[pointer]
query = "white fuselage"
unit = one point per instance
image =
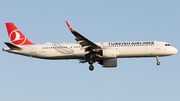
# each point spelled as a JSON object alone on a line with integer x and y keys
{"x": 75, "y": 51}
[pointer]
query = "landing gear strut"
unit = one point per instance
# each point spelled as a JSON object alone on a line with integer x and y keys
{"x": 157, "y": 59}
{"x": 91, "y": 67}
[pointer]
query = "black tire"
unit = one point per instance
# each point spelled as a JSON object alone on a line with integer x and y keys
{"x": 91, "y": 67}
{"x": 158, "y": 63}
{"x": 91, "y": 61}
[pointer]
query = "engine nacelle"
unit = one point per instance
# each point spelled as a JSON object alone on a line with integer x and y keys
{"x": 109, "y": 53}
{"x": 109, "y": 63}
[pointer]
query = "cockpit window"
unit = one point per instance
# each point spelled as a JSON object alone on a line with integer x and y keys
{"x": 167, "y": 44}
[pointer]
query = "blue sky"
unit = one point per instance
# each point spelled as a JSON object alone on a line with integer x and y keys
{"x": 30, "y": 79}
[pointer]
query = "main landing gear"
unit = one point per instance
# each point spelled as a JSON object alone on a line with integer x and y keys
{"x": 157, "y": 59}
{"x": 91, "y": 67}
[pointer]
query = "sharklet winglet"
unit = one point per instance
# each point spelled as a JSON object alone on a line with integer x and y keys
{"x": 69, "y": 26}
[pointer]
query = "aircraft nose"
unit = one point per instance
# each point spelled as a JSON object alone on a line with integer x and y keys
{"x": 174, "y": 50}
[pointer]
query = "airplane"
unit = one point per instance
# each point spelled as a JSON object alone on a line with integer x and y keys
{"x": 84, "y": 50}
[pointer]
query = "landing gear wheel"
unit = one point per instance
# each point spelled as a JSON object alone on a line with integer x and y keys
{"x": 157, "y": 59}
{"x": 91, "y": 61}
{"x": 158, "y": 63}
{"x": 91, "y": 67}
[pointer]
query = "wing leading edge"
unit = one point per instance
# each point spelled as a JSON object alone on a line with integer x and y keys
{"x": 86, "y": 44}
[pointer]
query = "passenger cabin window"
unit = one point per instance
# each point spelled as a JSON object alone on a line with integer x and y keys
{"x": 77, "y": 46}
{"x": 167, "y": 44}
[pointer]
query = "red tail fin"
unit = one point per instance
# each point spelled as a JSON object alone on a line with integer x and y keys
{"x": 15, "y": 35}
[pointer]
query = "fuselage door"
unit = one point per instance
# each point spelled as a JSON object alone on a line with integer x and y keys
{"x": 158, "y": 46}
{"x": 33, "y": 50}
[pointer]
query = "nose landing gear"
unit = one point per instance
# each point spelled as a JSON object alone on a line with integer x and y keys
{"x": 157, "y": 59}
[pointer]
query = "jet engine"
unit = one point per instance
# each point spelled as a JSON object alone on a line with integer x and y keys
{"x": 109, "y": 63}
{"x": 108, "y": 53}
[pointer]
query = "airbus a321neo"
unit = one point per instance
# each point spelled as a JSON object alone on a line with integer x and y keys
{"x": 105, "y": 53}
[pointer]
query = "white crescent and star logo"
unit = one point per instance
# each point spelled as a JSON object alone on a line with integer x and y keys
{"x": 16, "y": 37}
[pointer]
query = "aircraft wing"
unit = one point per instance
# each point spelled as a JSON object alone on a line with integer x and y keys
{"x": 86, "y": 44}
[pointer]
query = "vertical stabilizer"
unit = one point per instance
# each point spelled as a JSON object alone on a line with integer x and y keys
{"x": 15, "y": 35}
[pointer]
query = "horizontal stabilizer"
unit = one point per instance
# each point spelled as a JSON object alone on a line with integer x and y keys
{"x": 11, "y": 46}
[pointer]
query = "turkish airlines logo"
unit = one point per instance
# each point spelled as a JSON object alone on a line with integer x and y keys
{"x": 16, "y": 37}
